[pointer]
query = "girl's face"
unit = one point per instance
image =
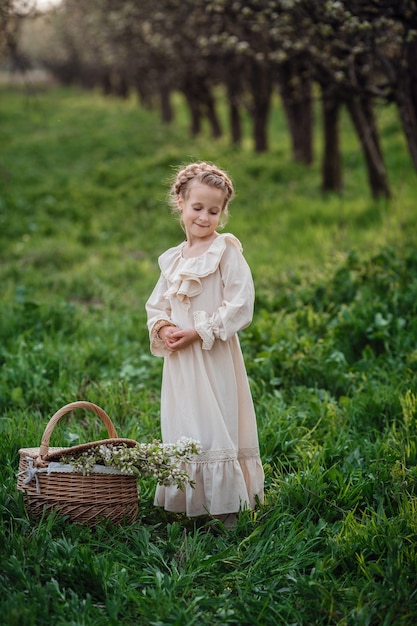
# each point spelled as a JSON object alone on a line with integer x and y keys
{"x": 201, "y": 210}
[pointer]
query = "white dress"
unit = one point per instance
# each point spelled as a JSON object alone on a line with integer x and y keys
{"x": 205, "y": 392}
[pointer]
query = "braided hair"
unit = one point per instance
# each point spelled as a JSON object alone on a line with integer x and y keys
{"x": 206, "y": 174}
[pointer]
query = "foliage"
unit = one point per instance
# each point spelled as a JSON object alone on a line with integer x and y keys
{"x": 331, "y": 354}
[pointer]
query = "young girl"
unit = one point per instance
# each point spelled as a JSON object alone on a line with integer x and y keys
{"x": 204, "y": 296}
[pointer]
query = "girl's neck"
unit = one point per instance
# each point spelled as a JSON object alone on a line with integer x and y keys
{"x": 196, "y": 247}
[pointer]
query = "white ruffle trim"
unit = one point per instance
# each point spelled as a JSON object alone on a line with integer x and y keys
{"x": 184, "y": 288}
{"x": 220, "y": 486}
{"x": 184, "y": 275}
{"x": 206, "y": 328}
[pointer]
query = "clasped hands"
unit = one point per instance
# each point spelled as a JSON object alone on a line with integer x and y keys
{"x": 176, "y": 338}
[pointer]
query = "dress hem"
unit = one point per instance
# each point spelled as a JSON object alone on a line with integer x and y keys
{"x": 220, "y": 487}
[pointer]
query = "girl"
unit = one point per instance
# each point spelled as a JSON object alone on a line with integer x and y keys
{"x": 204, "y": 296}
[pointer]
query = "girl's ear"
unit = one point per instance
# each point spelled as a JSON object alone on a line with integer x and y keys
{"x": 179, "y": 202}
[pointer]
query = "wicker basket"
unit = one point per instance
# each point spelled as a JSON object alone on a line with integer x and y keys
{"x": 86, "y": 499}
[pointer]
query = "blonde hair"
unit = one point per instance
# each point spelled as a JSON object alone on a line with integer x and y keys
{"x": 204, "y": 173}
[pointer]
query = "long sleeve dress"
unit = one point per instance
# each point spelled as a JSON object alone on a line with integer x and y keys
{"x": 205, "y": 392}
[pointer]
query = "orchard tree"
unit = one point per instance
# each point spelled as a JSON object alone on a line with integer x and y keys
{"x": 244, "y": 40}
{"x": 395, "y": 49}
{"x": 340, "y": 44}
{"x": 12, "y": 15}
{"x": 6, "y": 18}
{"x": 191, "y": 64}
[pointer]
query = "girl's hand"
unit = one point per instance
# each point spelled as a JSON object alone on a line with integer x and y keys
{"x": 178, "y": 338}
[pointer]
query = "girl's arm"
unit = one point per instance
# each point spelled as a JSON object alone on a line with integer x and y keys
{"x": 236, "y": 311}
{"x": 159, "y": 316}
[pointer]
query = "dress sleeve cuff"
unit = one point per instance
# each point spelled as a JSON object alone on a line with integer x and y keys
{"x": 157, "y": 344}
{"x": 205, "y": 327}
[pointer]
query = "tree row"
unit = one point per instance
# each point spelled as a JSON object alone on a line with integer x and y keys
{"x": 355, "y": 54}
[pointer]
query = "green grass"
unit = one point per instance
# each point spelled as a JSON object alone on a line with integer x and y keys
{"x": 331, "y": 356}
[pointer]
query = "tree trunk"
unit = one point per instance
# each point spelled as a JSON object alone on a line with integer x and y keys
{"x": 361, "y": 112}
{"x": 412, "y": 68}
{"x": 144, "y": 93}
{"x": 201, "y": 101}
{"x": 106, "y": 84}
{"x": 122, "y": 87}
{"x": 167, "y": 112}
{"x": 204, "y": 96}
{"x": 233, "y": 85}
{"x": 210, "y": 106}
{"x": 235, "y": 123}
{"x": 403, "y": 82}
{"x": 405, "y": 95}
{"x": 261, "y": 88}
{"x": 295, "y": 90}
{"x": 195, "y": 112}
{"x": 331, "y": 161}
{"x": 408, "y": 115}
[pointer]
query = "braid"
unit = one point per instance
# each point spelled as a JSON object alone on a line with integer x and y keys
{"x": 205, "y": 173}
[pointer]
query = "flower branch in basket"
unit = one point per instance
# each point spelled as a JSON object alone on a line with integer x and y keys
{"x": 161, "y": 461}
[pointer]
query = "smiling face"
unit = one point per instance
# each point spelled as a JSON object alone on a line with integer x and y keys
{"x": 201, "y": 210}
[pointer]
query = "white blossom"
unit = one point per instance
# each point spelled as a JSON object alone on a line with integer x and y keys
{"x": 165, "y": 462}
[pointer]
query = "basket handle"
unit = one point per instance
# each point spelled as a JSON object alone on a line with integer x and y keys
{"x": 44, "y": 447}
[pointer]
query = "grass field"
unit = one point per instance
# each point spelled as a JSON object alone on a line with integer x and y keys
{"x": 331, "y": 355}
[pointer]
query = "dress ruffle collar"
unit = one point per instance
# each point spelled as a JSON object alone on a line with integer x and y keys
{"x": 184, "y": 275}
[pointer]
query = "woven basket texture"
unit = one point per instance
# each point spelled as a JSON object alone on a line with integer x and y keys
{"x": 85, "y": 499}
